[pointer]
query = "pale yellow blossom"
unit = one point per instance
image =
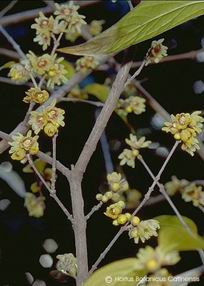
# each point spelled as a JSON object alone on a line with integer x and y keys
{"x": 23, "y": 145}
{"x": 35, "y": 205}
{"x": 156, "y": 52}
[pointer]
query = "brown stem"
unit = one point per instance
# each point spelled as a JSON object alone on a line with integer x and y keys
{"x": 79, "y": 226}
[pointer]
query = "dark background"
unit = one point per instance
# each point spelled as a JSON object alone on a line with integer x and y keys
{"x": 21, "y": 236}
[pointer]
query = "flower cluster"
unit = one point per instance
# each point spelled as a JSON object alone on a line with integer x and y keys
{"x": 44, "y": 29}
{"x": 138, "y": 230}
{"x": 86, "y": 63}
{"x": 175, "y": 185}
{"x": 185, "y": 127}
{"x": 131, "y": 104}
{"x": 68, "y": 13}
{"x": 152, "y": 260}
{"x": 36, "y": 95}
{"x": 66, "y": 20}
{"x": 19, "y": 73}
{"x": 48, "y": 66}
{"x": 116, "y": 185}
{"x": 96, "y": 27}
{"x": 128, "y": 156}
{"x": 190, "y": 192}
{"x": 143, "y": 230}
{"x": 193, "y": 193}
{"x": 156, "y": 52}
{"x": 23, "y": 145}
{"x": 114, "y": 210}
{"x": 67, "y": 264}
{"x": 35, "y": 205}
{"x": 49, "y": 120}
{"x": 118, "y": 190}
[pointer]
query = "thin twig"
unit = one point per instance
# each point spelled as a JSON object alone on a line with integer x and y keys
{"x": 7, "y": 8}
{"x": 103, "y": 118}
{"x": 9, "y": 81}
{"x": 9, "y": 53}
{"x": 169, "y": 200}
{"x": 13, "y": 43}
{"x": 53, "y": 179}
{"x": 70, "y": 99}
{"x": 93, "y": 210}
{"x": 138, "y": 71}
{"x": 18, "y": 50}
{"x": 30, "y": 14}
{"x": 145, "y": 199}
{"x": 105, "y": 148}
{"x": 52, "y": 194}
{"x": 44, "y": 157}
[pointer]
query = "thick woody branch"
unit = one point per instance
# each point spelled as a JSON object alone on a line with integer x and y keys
{"x": 103, "y": 118}
{"x": 51, "y": 191}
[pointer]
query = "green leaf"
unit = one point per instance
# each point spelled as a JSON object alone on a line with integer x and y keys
{"x": 69, "y": 68}
{"x": 101, "y": 92}
{"x": 113, "y": 274}
{"x": 147, "y": 20}
{"x": 174, "y": 236}
{"x": 98, "y": 90}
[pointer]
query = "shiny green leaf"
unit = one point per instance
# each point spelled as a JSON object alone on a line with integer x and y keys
{"x": 118, "y": 273}
{"x": 69, "y": 68}
{"x": 100, "y": 91}
{"x": 147, "y": 20}
{"x": 174, "y": 236}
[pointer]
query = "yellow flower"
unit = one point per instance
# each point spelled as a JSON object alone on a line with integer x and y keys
{"x": 37, "y": 121}
{"x": 157, "y": 52}
{"x": 67, "y": 264}
{"x": 22, "y": 145}
{"x": 56, "y": 74}
{"x": 35, "y": 187}
{"x": 50, "y": 129}
{"x": 143, "y": 230}
{"x": 35, "y": 205}
{"x": 151, "y": 259}
{"x": 193, "y": 193}
{"x": 86, "y": 63}
{"x": 42, "y": 64}
{"x": 49, "y": 119}
{"x": 55, "y": 115}
{"x": 128, "y": 156}
{"x": 72, "y": 37}
{"x": 36, "y": 95}
{"x": 19, "y": 73}
{"x": 137, "y": 144}
{"x": 185, "y": 127}
{"x": 95, "y": 27}
{"x": 133, "y": 198}
{"x": 69, "y": 14}
{"x": 44, "y": 27}
{"x": 175, "y": 186}
{"x": 133, "y": 104}
{"x": 114, "y": 210}
{"x": 116, "y": 183}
